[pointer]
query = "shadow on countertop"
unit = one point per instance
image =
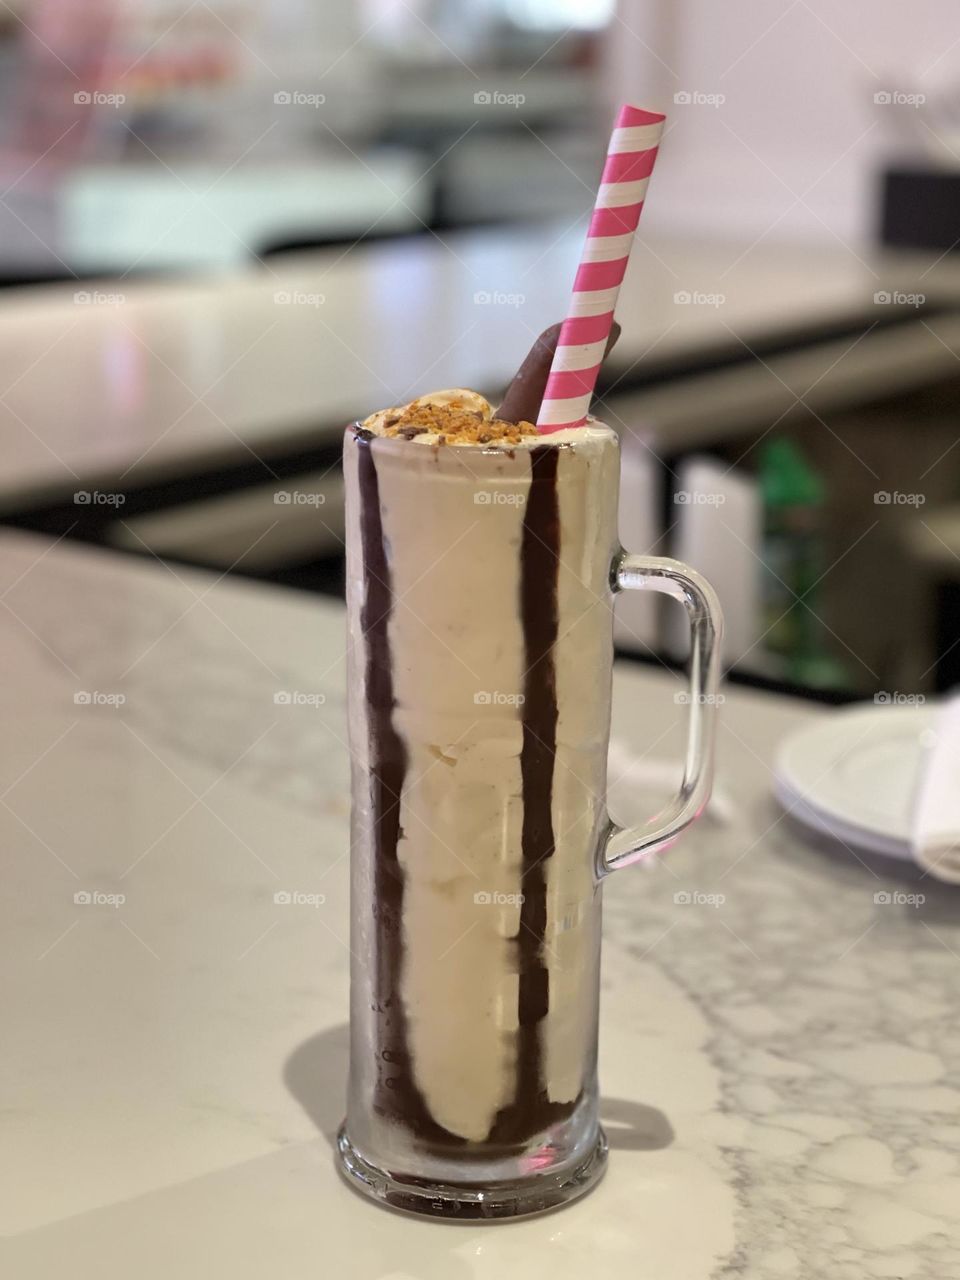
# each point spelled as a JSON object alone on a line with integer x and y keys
{"x": 913, "y": 893}
{"x": 316, "y": 1076}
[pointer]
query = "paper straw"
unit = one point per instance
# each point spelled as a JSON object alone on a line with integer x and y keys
{"x": 583, "y": 335}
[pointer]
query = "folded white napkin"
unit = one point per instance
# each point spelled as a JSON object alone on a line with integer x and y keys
{"x": 935, "y": 828}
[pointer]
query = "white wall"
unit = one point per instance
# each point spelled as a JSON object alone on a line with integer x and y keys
{"x": 799, "y": 118}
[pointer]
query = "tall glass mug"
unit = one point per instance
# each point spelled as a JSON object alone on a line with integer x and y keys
{"x": 480, "y": 584}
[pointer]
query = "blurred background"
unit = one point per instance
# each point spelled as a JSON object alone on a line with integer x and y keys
{"x": 228, "y": 227}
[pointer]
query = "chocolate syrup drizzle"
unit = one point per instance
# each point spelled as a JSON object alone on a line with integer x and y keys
{"x": 396, "y": 1093}
{"x": 531, "y": 1110}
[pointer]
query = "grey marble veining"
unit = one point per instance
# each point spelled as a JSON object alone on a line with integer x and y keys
{"x": 834, "y": 1031}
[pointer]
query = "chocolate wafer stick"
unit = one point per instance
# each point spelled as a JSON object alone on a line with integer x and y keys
{"x": 525, "y": 393}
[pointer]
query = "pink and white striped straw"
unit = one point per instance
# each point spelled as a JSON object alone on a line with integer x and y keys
{"x": 584, "y": 333}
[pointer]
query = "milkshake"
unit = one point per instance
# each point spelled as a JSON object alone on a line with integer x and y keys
{"x": 480, "y": 666}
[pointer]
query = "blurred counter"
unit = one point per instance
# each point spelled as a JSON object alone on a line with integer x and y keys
{"x": 126, "y": 217}
{"x": 125, "y": 383}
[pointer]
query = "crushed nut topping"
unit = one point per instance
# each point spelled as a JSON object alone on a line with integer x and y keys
{"x": 456, "y": 425}
{"x": 456, "y": 416}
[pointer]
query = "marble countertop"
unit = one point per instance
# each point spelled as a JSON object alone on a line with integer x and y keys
{"x": 779, "y": 1054}
{"x": 115, "y": 384}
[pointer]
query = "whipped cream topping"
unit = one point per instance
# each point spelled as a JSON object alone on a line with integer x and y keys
{"x": 460, "y": 417}
{"x": 454, "y": 398}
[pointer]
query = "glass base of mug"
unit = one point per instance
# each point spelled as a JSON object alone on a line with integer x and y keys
{"x": 535, "y": 1193}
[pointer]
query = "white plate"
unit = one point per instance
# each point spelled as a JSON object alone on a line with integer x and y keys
{"x": 853, "y": 775}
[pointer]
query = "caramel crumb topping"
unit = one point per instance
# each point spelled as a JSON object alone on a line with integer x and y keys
{"x": 455, "y": 425}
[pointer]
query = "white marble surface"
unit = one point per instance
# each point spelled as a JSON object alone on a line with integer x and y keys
{"x": 122, "y": 382}
{"x": 781, "y": 1071}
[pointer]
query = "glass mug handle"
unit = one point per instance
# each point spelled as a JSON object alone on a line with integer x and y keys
{"x": 622, "y": 846}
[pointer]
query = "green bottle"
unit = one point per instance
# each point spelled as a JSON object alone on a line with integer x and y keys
{"x": 794, "y": 562}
